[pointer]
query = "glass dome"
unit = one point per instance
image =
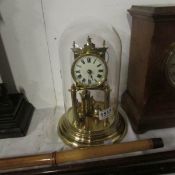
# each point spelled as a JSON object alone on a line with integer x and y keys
{"x": 90, "y": 58}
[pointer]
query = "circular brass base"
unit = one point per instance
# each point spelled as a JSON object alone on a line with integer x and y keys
{"x": 91, "y": 132}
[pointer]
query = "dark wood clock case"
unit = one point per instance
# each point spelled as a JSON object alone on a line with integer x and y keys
{"x": 149, "y": 99}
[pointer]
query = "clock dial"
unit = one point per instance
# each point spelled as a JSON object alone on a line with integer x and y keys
{"x": 89, "y": 71}
{"x": 171, "y": 68}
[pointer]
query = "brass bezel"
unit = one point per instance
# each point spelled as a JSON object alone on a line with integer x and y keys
{"x": 81, "y": 85}
{"x": 168, "y": 57}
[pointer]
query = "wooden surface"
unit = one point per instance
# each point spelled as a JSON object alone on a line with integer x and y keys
{"x": 158, "y": 12}
{"x": 150, "y": 99}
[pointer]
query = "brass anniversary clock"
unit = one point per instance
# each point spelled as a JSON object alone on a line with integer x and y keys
{"x": 91, "y": 119}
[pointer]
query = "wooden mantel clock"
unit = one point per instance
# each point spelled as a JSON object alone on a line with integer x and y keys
{"x": 149, "y": 99}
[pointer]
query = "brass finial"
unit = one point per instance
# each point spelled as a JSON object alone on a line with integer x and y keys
{"x": 89, "y": 40}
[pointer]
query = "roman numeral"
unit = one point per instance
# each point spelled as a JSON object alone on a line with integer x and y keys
{"x": 88, "y": 59}
{"x": 99, "y": 76}
{"x": 100, "y": 70}
{"x": 94, "y": 61}
{"x": 79, "y": 76}
{"x": 78, "y": 71}
{"x": 99, "y": 65}
{"x": 83, "y": 80}
{"x": 89, "y": 81}
{"x": 83, "y": 61}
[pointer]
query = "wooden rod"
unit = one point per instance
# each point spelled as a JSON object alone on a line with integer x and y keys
{"x": 77, "y": 154}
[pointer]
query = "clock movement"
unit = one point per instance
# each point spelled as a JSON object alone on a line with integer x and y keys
{"x": 150, "y": 96}
{"x": 92, "y": 118}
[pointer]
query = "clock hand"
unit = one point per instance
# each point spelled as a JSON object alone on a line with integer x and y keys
{"x": 90, "y": 73}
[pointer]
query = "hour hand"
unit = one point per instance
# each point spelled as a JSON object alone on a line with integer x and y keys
{"x": 90, "y": 73}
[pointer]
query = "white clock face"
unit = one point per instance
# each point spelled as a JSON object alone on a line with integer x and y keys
{"x": 89, "y": 71}
{"x": 171, "y": 68}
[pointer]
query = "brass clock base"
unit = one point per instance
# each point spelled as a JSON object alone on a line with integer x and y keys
{"x": 91, "y": 132}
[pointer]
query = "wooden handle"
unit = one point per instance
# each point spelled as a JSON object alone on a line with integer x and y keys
{"x": 107, "y": 150}
{"x": 79, "y": 154}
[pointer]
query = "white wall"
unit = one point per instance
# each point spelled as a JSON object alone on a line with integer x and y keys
{"x": 31, "y": 33}
{"x": 24, "y": 37}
